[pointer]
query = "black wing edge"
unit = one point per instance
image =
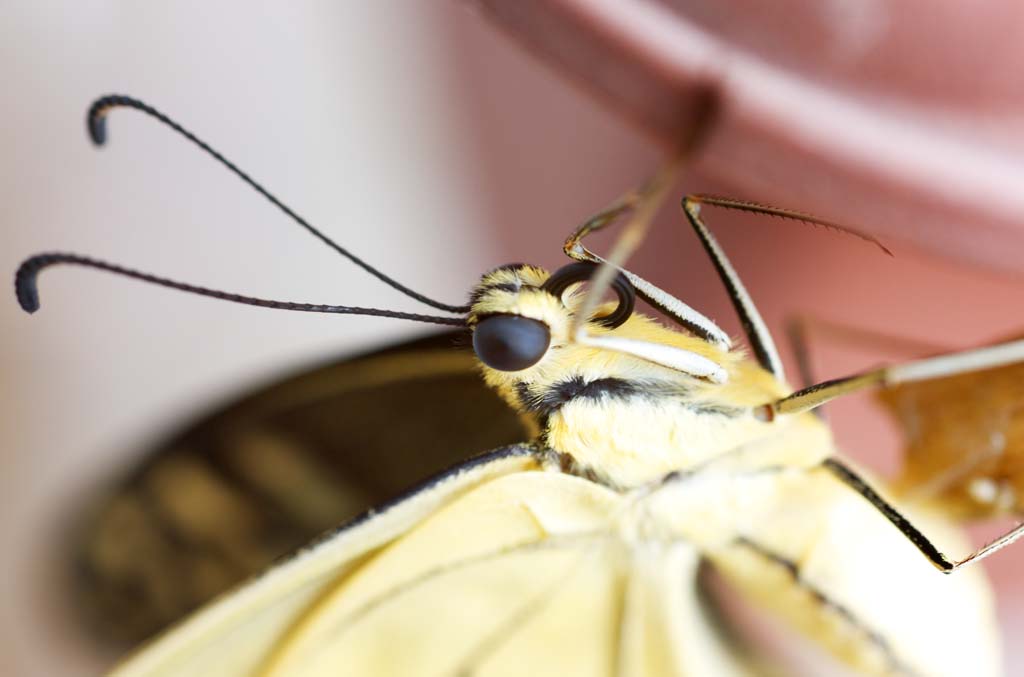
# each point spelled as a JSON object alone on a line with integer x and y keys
{"x": 511, "y": 451}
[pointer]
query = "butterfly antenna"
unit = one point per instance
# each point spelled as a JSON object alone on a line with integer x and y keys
{"x": 96, "y": 122}
{"x": 27, "y": 290}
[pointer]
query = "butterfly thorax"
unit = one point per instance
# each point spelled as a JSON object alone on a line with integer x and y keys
{"x": 620, "y": 419}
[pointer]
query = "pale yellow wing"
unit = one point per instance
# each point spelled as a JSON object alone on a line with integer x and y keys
{"x": 235, "y": 634}
{"x": 490, "y": 574}
{"x": 526, "y": 575}
{"x": 503, "y": 569}
{"x": 668, "y": 628}
{"x": 818, "y": 555}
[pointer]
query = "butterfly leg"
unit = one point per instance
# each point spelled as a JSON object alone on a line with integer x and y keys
{"x": 799, "y": 328}
{"x": 689, "y": 318}
{"x": 966, "y": 361}
{"x": 796, "y": 333}
{"x": 757, "y": 333}
{"x": 940, "y": 560}
{"x": 641, "y": 204}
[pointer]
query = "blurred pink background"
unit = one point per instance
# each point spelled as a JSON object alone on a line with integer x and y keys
{"x": 438, "y": 148}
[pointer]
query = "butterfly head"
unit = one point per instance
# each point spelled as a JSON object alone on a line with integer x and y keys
{"x": 519, "y": 313}
{"x": 527, "y": 334}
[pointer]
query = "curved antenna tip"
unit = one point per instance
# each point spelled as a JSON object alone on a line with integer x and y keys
{"x": 97, "y": 124}
{"x": 26, "y": 289}
{"x": 98, "y": 129}
{"x": 96, "y": 117}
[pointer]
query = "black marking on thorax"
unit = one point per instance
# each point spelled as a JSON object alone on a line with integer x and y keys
{"x": 547, "y": 400}
{"x": 552, "y": 398}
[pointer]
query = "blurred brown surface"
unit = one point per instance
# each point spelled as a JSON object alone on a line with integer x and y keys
{"x": 965, "y": 441}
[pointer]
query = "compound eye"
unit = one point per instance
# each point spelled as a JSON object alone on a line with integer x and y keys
{"x": 510, "y": 342}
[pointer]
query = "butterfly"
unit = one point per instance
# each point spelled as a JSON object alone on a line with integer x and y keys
{"x": 656, "y": 451}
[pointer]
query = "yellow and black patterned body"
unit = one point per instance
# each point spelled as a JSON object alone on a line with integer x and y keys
{"x": 580, "y": 554}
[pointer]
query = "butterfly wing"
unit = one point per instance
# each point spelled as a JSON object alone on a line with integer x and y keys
{"x": 265, "y": 474}
{"x": 819, "y": 555}
{"x": 235, "y": 634}
{"x": 496, "y": 569}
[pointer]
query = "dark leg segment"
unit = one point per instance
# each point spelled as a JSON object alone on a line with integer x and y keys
{"x": 941, "y": 562}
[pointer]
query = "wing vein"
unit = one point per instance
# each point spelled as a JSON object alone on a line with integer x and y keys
{"x": 389, "y": 595}
{"x": 494, "y": 640}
